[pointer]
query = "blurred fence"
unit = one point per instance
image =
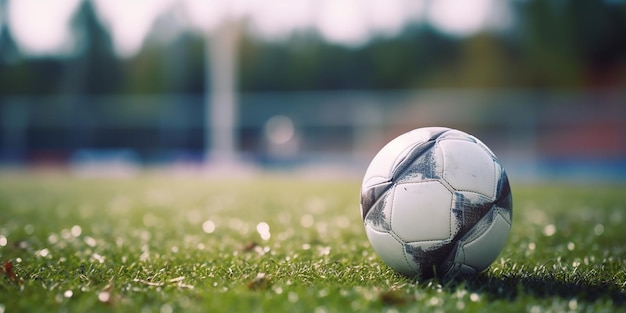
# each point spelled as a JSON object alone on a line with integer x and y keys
{"x": 536, "y": 134}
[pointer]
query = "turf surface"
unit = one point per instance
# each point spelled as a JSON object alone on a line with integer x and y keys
{"x": 159, "y": 243}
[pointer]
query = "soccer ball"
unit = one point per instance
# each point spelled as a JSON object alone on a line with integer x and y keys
{"x": 436, "y": 202}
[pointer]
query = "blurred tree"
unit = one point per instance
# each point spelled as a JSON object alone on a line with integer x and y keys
{"x": 145, "y": 73}
{"x": 19, "y": 75}
{"x": 96, "y": 70}
{"x": 600, "y": 30}
{"x": 484, "y": 61}
{"x": 306, "y": 62}
{"x": 9, "y": 53}
{"x": 563, "y": 41}
{"x": 30, "y": 76}
{"x": 554, "y": 44}
{"x": 174, "y": 68}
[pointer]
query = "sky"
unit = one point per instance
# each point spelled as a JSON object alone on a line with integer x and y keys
{"x": 350, "y": 22}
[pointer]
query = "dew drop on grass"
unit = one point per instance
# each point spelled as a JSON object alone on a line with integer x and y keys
{"x": 460, "y": 305}
{"x": 324, "y": 251}
{"x": 549, "y": 230}
{"x": 66, "y": 234}
{"x": 145, "y": 255}
{"x": 104, "y": 296}
{"x": 90, "y": 241}
{"x": 571, "y": 246}
{"x": 307, "y": 220}
{"x": 460, "y": 293}
{"x": 68, "y": 294}
{"x": 208, "y": 226}
{"x": 98, "y": 258}
{"x": 434, "y": 301}
{"x": 76, "y": 230}
{"x": 323, "y": 293}
{"x": 320, "y": 309}
{"x": 52, "y": 239}
{"x": 29, "y": 229}
{"x": 292, "y": 297}
{"x": 264, "y": 230}
{"x": 474, "y": 297}
{"x": 166, "y": 308}
{"x": 145, "y": 235}
{"x": 598, "y": 229}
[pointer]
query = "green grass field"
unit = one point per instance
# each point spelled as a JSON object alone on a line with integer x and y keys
{"x": 160, "y": 243}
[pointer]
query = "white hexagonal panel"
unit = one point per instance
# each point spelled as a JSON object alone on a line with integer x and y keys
{"x": 421, "y": 211}
{"x": 466, "y": 166}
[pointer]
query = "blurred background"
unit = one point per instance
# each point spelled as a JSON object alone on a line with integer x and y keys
{"x": 310, "y": 86}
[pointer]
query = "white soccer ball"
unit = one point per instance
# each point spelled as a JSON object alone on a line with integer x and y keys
{"x": 436, "y": 202}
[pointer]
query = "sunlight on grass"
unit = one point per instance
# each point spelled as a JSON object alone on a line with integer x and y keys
{"x": 170, "y": 244}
